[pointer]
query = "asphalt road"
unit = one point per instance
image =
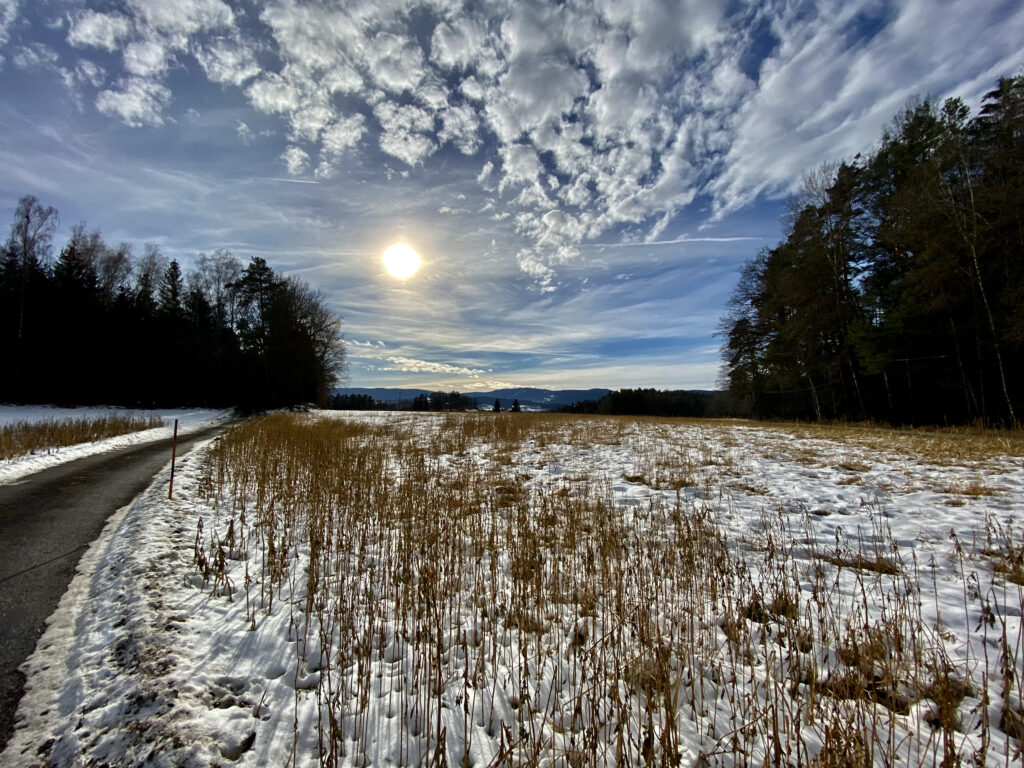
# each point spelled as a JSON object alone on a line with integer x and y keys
{"x": 47, "y": 520}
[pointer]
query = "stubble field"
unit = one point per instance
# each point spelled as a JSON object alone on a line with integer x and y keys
{"x": 519, "y": 589}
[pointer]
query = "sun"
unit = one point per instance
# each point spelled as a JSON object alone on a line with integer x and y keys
{"x": 401, "y": 260}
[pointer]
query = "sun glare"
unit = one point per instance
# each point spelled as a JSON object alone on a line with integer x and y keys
{"x": 401, "y": 261}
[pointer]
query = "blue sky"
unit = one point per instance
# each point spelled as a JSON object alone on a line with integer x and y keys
{"x": 582, "y": 179}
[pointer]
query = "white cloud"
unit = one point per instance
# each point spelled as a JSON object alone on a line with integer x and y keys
{"x": 820, "y": 98}
{"x": 244, "y": 133}
{"x": 461, "y": 127}
{"x": 597, "y": 119}
{"x": 520, "y": 165}
{"x": 35, "y": 56}
{"x": 313, "y": 36}
{"x": 337, "y": 139}
{"x": 433, "y": 96}
{"x": 309, "y": 121}
{"x": 146, "y": 58}
{"x": 458, "y": 44}
{"x": 343, "y": 134}
{"x": 485, "y": 174}
{"x": 296, "y": 159}
{"x": 274, "y": 94}
{"x": 90, "y": 72}
{"x": 472, "y": 89}
{"x": 182, "y": 17}
{"x": 99, "y": 30}
{"x": 395, "y": 62}
{"x": 8, "y": 13}
{"x": 660, "y": 30}
{"x": 534, "y": 91}
{"x": 412, "y": 365}
{"x": 406, "y": 132}
{"x": 325, "y": 170}
{"x": 227, "y": 60}
{"x": 530, "y": 263}
{"x": 136, "y": 102}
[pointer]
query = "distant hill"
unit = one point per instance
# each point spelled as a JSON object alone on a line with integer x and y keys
{"x": 528, "y": 397}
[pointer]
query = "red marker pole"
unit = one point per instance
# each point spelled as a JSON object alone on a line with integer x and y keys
{"x": 174, "y": 453}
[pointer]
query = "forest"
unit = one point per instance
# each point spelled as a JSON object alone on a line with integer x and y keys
{"x": 655, "y": 402}
{"x": 897, "y": 294}
{"x": 98, "y": 324}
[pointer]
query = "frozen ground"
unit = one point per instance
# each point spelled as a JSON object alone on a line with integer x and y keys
{"x": 147, "y": 662}
{"x": 189, "y": 420}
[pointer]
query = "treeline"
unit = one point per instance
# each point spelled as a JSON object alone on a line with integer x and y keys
{"x": 654, "y": 402}
{"x": 443, "y": 401}
{"x": 435, "y": 401}
{"x": 898, "y": 292}
{"x": 98, "y": 324}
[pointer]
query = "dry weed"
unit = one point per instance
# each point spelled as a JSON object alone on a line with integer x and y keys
{"x": 455, "y": 599}
{"x": 26, "y": 438}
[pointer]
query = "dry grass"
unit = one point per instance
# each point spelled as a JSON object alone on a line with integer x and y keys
{"x": 25, "y": 438}
{"x": 973, "y": 488}
{"x": 943, "y": 446}
{"x": 441, "y": 595}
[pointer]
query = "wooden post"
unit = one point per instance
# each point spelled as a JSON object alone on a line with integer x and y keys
{"x": 174, "y": 454}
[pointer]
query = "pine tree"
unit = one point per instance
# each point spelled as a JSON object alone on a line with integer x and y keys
{"x": 171, "y": 293}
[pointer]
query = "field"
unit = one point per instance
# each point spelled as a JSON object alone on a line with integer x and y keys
{"x": 26, "y": 438}
{"x": 519, "y": 589}
{"x": 33, "y": 438}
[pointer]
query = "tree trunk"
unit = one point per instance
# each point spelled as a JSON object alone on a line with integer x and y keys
{"x": 969, "y": 233}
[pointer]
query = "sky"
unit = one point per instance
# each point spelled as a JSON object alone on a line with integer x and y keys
{"x": 582, "y": 180}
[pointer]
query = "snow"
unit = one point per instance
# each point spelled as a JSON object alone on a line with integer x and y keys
{"x": 144, "y": 661}
{"x": 11, "y": 470}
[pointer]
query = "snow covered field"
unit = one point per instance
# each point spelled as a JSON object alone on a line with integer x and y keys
{"x": 189, "y": 420}
{"x": 482, "y": 589}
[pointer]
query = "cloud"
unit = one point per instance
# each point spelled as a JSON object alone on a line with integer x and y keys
{"x": 589, "y": 120}
{"x": 343, "y": 134}
{"x": 337, "y": 139}
{"x": 35, "y": 56}
{"x": 227, "y": 60}
{"x": 244, "y": 133}
{"x": 182, "y": 17}
{"x": 534, "y": 266}
{"x": 460, "y": 126}
{"x": 136, "y": 102}
{"x": 90, "y": 72}
{"x": 406, "y": 132}
{"x": 533, "y": 93}
{"x": 822, "y": 96}
{"x": 679, "y": 241}
{"x": 459, "y": 43}
{"x": 99, "y": 30}
{"x": 395, "y": 62}
{"x": 297, "y": 160}
{"x": 275, "y": 94}
{"x": 371, "y": 344}
{"x": 146, "y": 58}
{"x": 8, "y": 13}
{"x": 412, "y": 365}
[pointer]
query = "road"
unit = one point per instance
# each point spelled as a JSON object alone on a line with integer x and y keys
{"x": 47, "y": 520}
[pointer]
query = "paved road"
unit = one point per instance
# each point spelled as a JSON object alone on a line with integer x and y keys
{"x": 47, "y": 520}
